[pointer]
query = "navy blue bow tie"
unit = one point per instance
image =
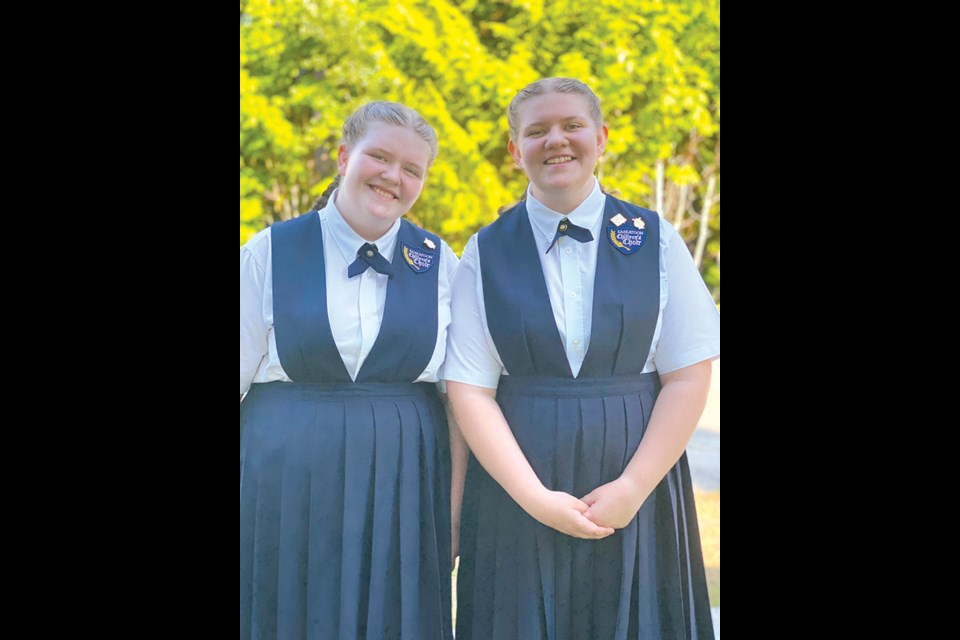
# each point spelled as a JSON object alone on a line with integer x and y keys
{"x": 368, "y": 256}
{"x": 567, "y": 228}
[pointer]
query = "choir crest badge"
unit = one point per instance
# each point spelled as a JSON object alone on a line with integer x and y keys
{"x": 417, "y": 259}
{"x": 627, "y": 240}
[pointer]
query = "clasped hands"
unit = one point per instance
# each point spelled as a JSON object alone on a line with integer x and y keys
{"x": 597, "y": 516}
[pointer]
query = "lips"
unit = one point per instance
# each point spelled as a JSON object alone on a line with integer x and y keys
{"x": 384, "y": 193}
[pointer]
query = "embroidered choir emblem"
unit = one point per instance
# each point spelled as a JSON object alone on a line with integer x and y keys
{"x": 627, "y": 241}
{"x": 618, "y": 220}
{"x": 430, "y": 244}
{"x": 639, "y": 223}
{"x": 419, "y": 261}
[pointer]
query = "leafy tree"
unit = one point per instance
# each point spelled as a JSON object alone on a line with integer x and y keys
{"x": 307, "y": 64}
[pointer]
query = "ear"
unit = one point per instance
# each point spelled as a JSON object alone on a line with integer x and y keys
{"x": 602, "y": 136}
{"x": 342, "y": 155}
{"x": 515, "y": 152}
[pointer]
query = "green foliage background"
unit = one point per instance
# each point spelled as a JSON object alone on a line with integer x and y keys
{"x": 305, "y": 65}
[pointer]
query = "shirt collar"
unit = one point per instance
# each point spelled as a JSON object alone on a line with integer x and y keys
{"x": 544, "y": 219}
{"x": 348, "y": 241}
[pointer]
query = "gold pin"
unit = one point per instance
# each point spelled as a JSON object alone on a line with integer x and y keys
{"x": 618, "y": 220}
{"x": 563, "y": 227}
{"x": 369, "y": 254}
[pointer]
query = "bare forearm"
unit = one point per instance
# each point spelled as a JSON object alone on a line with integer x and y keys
{"x": 459, "y": 457}
{"x": 491, "y": 440}
{"x": 493, "y": 443}
{"x": 674, "y": 420}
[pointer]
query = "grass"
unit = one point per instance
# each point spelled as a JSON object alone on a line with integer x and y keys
{"x": 708, "y": 511}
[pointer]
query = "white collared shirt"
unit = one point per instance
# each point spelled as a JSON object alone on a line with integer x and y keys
{"x": 355, "y": 305}
{"x": 687, "y": 309}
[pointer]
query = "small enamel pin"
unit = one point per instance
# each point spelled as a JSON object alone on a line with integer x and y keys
{"x": 639, "y": 223}
{"x": 418, "y": 260}
{"x": 618, "y": 220}
{"x": 430, "y": 244}
{"x": 626, "y": 240}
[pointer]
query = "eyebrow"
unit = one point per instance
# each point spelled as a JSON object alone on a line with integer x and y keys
{"x": 563, "y": 119}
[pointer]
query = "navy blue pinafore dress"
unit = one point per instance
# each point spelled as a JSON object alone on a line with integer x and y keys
{"x": 344, "y": 486}
{"x": 520, "y": 580}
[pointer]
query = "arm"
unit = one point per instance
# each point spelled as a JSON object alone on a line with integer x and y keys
{"x": 492, "y": 442}
{"x": 253, "y": 328}
{"x": 675, "y": 416}
{"x": 459, "y": 458}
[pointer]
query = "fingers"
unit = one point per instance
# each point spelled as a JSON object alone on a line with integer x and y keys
{"x": 569, "y": 519}
{"x": 591, "y": 531}
{"x": 578, "y": 505}
{"x": 587, "y": 530}
{"x": 596, "y": 519}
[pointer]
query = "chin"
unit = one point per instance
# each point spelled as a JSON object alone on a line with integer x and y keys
{"x": 387, "y": 214}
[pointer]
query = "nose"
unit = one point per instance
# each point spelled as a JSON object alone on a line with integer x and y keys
{"x": 556, "y": 138}
{"x": 391, "y": 173}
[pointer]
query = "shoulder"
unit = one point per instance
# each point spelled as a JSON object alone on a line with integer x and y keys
{"x": 410, "y": 230}
{"x": 257, "y": 248}
{"x": 506, "y": 224}
{"x": 294, "y": 225}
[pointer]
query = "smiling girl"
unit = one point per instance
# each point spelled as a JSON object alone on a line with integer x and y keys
{"x": 578, "y": 366}
{"x": 344, "y": 448}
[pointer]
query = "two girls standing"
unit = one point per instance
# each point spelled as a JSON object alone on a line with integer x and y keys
{"x": 578, "y": 365}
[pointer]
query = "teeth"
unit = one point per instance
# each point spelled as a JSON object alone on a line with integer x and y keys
{"x": 560, "y": 160}
{"x": 385, "y": 194}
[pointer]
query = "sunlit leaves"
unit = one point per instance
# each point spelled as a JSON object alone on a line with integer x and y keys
{"x": 306, "y": 64}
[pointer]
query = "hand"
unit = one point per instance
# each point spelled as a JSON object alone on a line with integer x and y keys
{"x": 563, "y": 512}
{"x": 615, "y": 504}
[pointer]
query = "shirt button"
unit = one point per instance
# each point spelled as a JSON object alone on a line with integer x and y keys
{"x": 576, "y": 343}
{"x": 573, "y": 296}
{"x": 569, "y": 250}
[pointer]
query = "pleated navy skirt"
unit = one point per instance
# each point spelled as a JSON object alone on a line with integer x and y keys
{"x": 344, "y": 513}
{"x": 520, "y": 580}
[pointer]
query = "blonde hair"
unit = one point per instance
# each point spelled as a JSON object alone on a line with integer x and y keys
{"x": 552, "y": 85}
{"x": 390, "y": 113}
{"x": 355, "y": 127}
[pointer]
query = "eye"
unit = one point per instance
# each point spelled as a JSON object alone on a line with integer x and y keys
{"x": 535, "y": 132}
{"x": 413, "y": 172}
{"x": 378, "y": 156}
{"x": 573, "y": 126}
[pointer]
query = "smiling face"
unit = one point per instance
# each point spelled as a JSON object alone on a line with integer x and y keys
{"x": 382, "y": 177}
{"x": 558, "y": 144}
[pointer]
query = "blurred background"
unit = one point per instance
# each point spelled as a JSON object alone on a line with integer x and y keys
{"x": 305, "y": 65}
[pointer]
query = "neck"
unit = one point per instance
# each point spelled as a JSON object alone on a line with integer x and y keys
{"x": 566, "y": 201}
{"x": 370, "y": 230}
